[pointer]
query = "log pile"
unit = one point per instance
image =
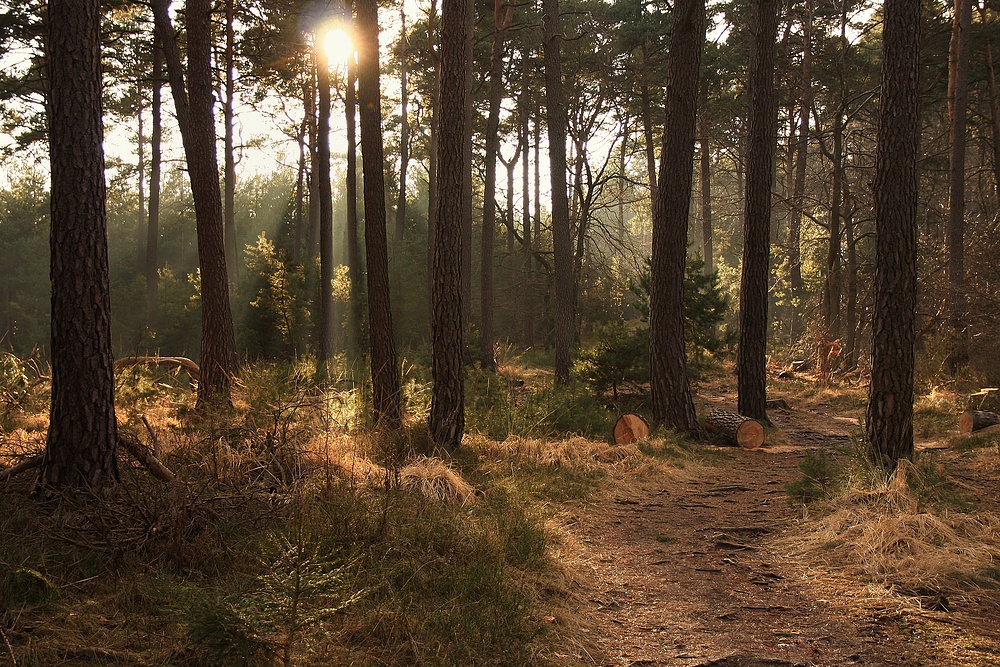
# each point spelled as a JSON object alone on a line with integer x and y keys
{"x": 973, "y": 420}
{"x": 629, "y": 428}
{"x": 735, "y": 429}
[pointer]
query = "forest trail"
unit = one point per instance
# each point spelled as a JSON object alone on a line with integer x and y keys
{"x": 689, "y": 571}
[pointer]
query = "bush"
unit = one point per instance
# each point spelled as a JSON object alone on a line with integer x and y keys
{"x": 621, "y": 355}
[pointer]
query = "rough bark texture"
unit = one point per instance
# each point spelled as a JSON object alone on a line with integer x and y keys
{"x": 974, "y": 420}
{"x": 447, "y": 417}
{"x": 385, "y": 372}
{"x": 889, "y": 415}
{"x": 325, "y": 323}
{"x": 194, "y": 108}
{"x": 958, "y": 102}
{"x": 80, "y": 451}
{"x": 153, "y": 225}
{"x": 562, "y": 250}
{"x": 671, "y": 391}
{"x": 751, "y": 363}
{"x": 735, "y": 429}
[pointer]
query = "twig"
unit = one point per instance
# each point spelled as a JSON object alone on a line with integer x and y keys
{"x": 143, "y": 456}
{"x": 10, "y": 649}
{"x": 28, "y": 464}
{"x": 152, "y": 436}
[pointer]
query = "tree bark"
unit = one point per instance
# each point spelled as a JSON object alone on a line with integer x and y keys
{"x": 195, "y": 117}
{"x": 81, "y": 446}
{"x": 487, "y": 358}
{"x": 832, "y": 283}
{"x": 229, "y": 196}
{"x": 706, "y": 184}
{"x": 355, "y": 325}
{"x": 326, "y": 261}
{"x": 561, "y": 245}
{"x": 671, "y": 391}
{"x": 889, "y": 414}
{"x": 528, "y": 312}
{"x": 432, "y": 144}
{"x": 385, "y": 372}
{"x": 447, "y": 417}
{"x": 751, "y": 366}
{"x": 799, "y": 183}
{"x": 153, "y": 225}
{"x": 958, "y": 102}
{"x": 404, "y": 138}
{"x": 466, "y": 200}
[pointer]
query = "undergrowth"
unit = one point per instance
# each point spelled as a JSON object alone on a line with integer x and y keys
{"x": 910, "y": 530}
{"x": 300, "y": 537}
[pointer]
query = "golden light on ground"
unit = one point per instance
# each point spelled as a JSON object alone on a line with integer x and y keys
{"x": 338, "y": 46}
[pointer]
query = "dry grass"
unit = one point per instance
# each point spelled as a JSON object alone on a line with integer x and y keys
{"x": 883, "y": 535}
{"x": 434, "y": 479}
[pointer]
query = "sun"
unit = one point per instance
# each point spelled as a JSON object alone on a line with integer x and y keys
{"x": 338, "y": 46}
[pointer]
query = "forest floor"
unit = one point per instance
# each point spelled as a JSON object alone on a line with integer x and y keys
{"x": 694, "y": 569}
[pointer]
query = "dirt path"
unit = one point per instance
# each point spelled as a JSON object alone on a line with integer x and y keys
{"x": 687, "y": 572}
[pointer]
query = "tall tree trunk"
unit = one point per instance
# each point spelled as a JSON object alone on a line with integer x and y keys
{"x": 889, "y": 414}
{"x": 851, "y": 325}
{"x": 447, "y": 417}
{"x": 81, "y": 446}
{"x": 300, "y": 187}
{"x": 229, "y": 203}
{"x": 502, "y": 18}
{"x": 153, "y": 226}
{"x": 195, "y": 118}
{"x": 706, "y": 184}
{"x": 404, "y": 139}
{"x": 799, "y": 184}
{"x": 958, "y": 101}
{"x": 751, "y": 366}
{"x": 562, "y": 251}
{"x": 355, "y": 327}
{"x": 140, "y": 147}
{"x": 470, "y": 20}
{"x": 312, "y": 229}
{"x": 325, "y": 324}
{"x": 385, "y": 371}
{"x": 528, "y": 311}
{"x": 671, "y": 392}
{"x": 832, "y": 284}
{"x": 432, "y": 147}
{"x": 991, "y": 83}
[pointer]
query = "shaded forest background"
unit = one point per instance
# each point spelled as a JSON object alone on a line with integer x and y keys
{"x": 613, "y": 55}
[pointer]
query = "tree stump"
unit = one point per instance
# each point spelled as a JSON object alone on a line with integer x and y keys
{"x": 973, "y": 420}
{"x": 735, "y": 429}
{"x": 629, "y": 428}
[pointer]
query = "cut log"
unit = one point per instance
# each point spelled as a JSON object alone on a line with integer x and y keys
{"x": 180, "y": 362}
{"x": 629, "y": 428}
{"x": 973, "y": 420}
{"x": 735, "y": 429}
